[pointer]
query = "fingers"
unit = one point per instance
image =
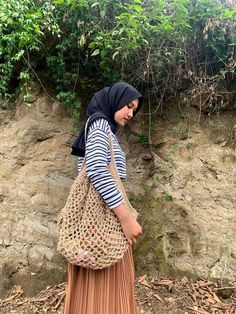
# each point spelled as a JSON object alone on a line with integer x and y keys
{"x": 132, "y": 241}
{"x": 85, "y": 256}
{"x": 137, "y": 234}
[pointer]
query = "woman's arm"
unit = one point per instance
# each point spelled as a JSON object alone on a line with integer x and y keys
{"x": 129, "y": 224}
{"x": 97, "y": 150}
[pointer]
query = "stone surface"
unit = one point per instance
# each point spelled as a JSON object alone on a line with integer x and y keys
{"x": 189, "y": 197}
{"x": 36, "y": 173}
{"x": 185, "y": 192}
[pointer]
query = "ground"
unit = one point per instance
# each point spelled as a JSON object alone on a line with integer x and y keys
{"x": 155, "y": 294}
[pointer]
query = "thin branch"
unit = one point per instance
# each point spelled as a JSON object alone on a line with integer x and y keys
{"x": 77, "y": 74}
{"x": 149, "y": 124}
{"x": 30, "y": 67}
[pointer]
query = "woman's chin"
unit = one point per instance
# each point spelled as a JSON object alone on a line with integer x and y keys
{"x": 121, "y": 123}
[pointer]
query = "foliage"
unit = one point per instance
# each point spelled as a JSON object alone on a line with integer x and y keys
{"x": 72, "y": 102}
{"x": 143, "y": 138}
{"x": 23, "y": 24}
{"x": 168, "y": 197}
{"x": 161, "y": 46}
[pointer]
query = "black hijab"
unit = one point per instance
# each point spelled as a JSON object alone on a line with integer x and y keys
{"x": 104, "y": 104}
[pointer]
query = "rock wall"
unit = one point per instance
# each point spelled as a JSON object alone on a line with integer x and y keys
{"x": 185, "y": 191}
{"x": 189, "y": 195}
{"x": 36, "y": 173}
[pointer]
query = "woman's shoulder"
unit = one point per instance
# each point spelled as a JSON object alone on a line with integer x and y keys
{"x": 101, "y": 125}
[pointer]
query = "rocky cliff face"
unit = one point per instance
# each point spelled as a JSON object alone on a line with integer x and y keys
{"x": 36, "y": 173}
{"x": 189, "y": 195}
{"x": 185, "y": 191}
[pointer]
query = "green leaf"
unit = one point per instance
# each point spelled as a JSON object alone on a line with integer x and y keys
{"x": 133, "y": 23}
{"x": 145, "y": 41}
{"x": 103, "y": 53}
{"x": 168, "y": 26}
{"x": 92, "y": 45}
{"x": 121, "y": 30}
{"x": 230, "y": 13}
{"x": 103, "y": 65}
{"x": 96, "y": 52}
{"x": 18, "y": 55}
{"x": 138, "y": 8}
{"x": 95, "y": 4}
{"x": 37, "y": 28}
{"x": 115, "y": 54}
{"x": 59, "y": 1}
{"x": 82, "y": 40}
{"x": 24, "y": 76}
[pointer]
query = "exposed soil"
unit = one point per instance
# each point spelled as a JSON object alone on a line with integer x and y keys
{"x": 155, "y": 294}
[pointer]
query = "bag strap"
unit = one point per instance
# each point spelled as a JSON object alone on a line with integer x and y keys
{"x": 85, "y": 130}
{"x": 111, "y": 149}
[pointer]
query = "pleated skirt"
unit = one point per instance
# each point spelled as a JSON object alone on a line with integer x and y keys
{"x": 106, "y": 291}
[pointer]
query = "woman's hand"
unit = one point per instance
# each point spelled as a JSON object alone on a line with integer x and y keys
{"x": 131, "y": 228}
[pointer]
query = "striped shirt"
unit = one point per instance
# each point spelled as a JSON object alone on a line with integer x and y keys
{"x": 97, "y": 158}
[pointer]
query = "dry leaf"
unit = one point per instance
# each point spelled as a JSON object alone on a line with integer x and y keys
{"x": 165, "y": 282}
{"x": 158, "y": 297}
{"x": 184, "y": 279}
{"x": 142, "y": 278}
{"x": 144, "y": 283}
{"x": 216, "y": 298}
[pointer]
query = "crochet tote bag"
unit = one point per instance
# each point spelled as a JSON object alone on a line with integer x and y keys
{"x": 90, "y": 234}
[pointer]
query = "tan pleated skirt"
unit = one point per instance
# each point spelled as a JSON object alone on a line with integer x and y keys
{"x": 106, "y": 291}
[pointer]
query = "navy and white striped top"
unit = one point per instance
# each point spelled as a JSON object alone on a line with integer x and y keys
{"x": 98, "y": 157}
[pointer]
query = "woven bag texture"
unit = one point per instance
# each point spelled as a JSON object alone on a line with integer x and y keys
{"x": 90, "y": 234}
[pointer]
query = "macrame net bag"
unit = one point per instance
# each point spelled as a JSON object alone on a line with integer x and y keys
{"x": 90, "y": 234}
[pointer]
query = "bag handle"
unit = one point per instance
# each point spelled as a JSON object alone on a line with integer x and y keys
{"x": 85, "y": 131}
{"x": 111, "y": 150}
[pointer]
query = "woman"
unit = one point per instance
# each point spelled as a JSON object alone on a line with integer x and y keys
{"x": 110, "y": 290}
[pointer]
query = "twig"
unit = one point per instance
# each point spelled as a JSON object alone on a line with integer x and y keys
{"x": 77, "y": 73}
{"x": 226, "y": 288}
{"x": 30, "y": 67}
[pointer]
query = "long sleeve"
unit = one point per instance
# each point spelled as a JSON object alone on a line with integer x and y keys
{"x": 97, "y": 158}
